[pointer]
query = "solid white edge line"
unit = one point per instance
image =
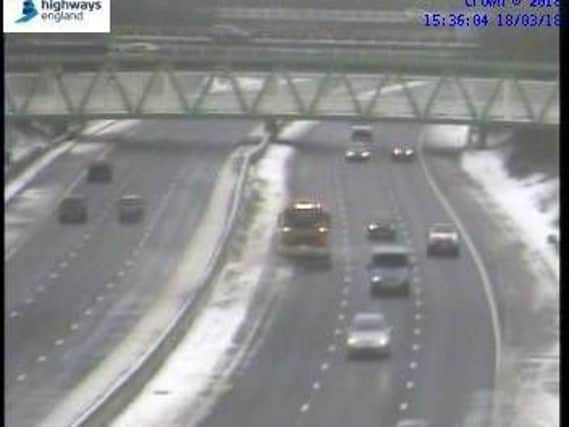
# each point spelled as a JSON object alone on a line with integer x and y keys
{"x": 484, "y": 277}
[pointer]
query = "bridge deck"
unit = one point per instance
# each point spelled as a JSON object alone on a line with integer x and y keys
{"x": 311, "y": 95}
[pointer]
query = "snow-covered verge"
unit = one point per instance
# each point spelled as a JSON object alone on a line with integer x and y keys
{"x": 191, "y": 378}
{"x": 529, "y": 208}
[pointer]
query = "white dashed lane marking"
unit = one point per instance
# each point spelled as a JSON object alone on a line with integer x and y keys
{"x": 416, "y": 331}
{"x": 63, "y": 264}
{"x": 416, "y": 347}
{"x": 344, "y": 303}
{"x": 332, "y": 348}
{"x": 88, "y": 312}
{"x": 41, "y": 359}
{"x": 110, "y": 285}
{"x": 324, "y": 366}
{"x": 72, "y": 254}
{"x": 316, "y": 386}
{"x": 54, "y": 275}
{"x": 120, "y": 274}
{"x": 304, "y": 407}
{"x": 403, "y": 406}
{"x": 59, "y": 342}
{"x": 341, "y": 316}
{"x": 40, "y": 289}
{"x": 21, "y": 377}
{"x": 29, "y": 301}
{"x": 14, "y": 314}
{"x": 413, "y": 365}
{"x": 418, "y": 316}
{"x": 74, "y": 326}
{"x": 100, "y": 298}
{"x": 338, "y": 332}
{"x": 410, "y": 385}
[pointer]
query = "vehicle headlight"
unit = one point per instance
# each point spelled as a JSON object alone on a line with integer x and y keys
{"x": 409, "y": 152}
{"x": 350, "y": 153}
{"x": 352, "y": 341}
{"x": 365, "y": 154}
{"x": 382, "y": 341}
{"x": 322, "y": 229}
{"x": 372, "y": 227}
{"x": 286, "y": 229}
{"x": 397, "y": 151}
{"x": 376, "y": 279}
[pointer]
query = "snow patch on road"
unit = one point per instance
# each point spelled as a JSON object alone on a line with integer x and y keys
{"x": 192, "y": 373}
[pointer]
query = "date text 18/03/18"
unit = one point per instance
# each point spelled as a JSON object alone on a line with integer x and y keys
{"x": 508, "y": 3}
{"x": 485, "y": 20}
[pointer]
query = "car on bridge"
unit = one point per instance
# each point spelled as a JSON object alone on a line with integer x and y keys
{"x": 382, "y": 228}
{"x": 369, "y": 335}
{"x": 412, "y": 422}
{"x": 228, "y": 34}
{"x": 390, "y": 270}
{"x": 357, "y": 152}
{"x": 131, "y": 208}
{"x": 401, "y": 153}
{"x": 73, "y": 209}
{"x": 136, "y": 47}
{"x": 443, "y": 239}
{"x": 100, "y": 171}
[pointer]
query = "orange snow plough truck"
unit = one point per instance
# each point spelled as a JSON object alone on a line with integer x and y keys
{"x": 304, "y": 228}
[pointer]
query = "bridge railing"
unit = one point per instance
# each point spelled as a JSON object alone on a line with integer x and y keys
{"x": 167, "y": 92}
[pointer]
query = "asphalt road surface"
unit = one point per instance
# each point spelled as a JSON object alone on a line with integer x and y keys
{"x": 73, "y": 291}
{"x": 443, "y": 352}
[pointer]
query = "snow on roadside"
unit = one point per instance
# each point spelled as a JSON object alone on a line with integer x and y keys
{"x": 520, "y": 200}
{"x": 205, "y": 352}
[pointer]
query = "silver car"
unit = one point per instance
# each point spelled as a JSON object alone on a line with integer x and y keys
{"x": 412, "y": 422}
{"x": 369, "y": 335}
{"x": 443, "y": 239}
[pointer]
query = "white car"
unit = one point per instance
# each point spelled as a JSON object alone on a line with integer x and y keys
{"x": 138, "y": 47}
{"x": 369, "y": 335}
{"x": 443, "y": 239}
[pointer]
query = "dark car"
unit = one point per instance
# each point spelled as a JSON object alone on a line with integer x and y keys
{"x": 358, "y": 152}
{"x": 73, "y": 210}
{"x": 402, "y": 153}
{"x": 228, "y": 34}
{"x": 443, "y": 239}
{"x": 100, "y": 172}
{"x": 383, "y": 228}
{"x": 390, "y": 270}
{"x": 131, "y": 208}
{"x": 362, "y": 133}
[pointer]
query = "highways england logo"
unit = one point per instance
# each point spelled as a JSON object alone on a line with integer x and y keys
{"x": 57, "y": 16}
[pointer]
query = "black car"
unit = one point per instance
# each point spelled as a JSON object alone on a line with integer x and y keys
{"x": 390, "y": 270}
{"x": 383, "y": 228}
{"x": 357, "y": 152}
{"x": 100, "y": 172}
{"x": 228, "y": 34}
{"x": 73, "y": 210}
{"x": 401, "y": 153}
{"x": 130, "y": 208}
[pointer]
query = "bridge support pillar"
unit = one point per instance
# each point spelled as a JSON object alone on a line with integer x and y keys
{"x": 478, "y": 137}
